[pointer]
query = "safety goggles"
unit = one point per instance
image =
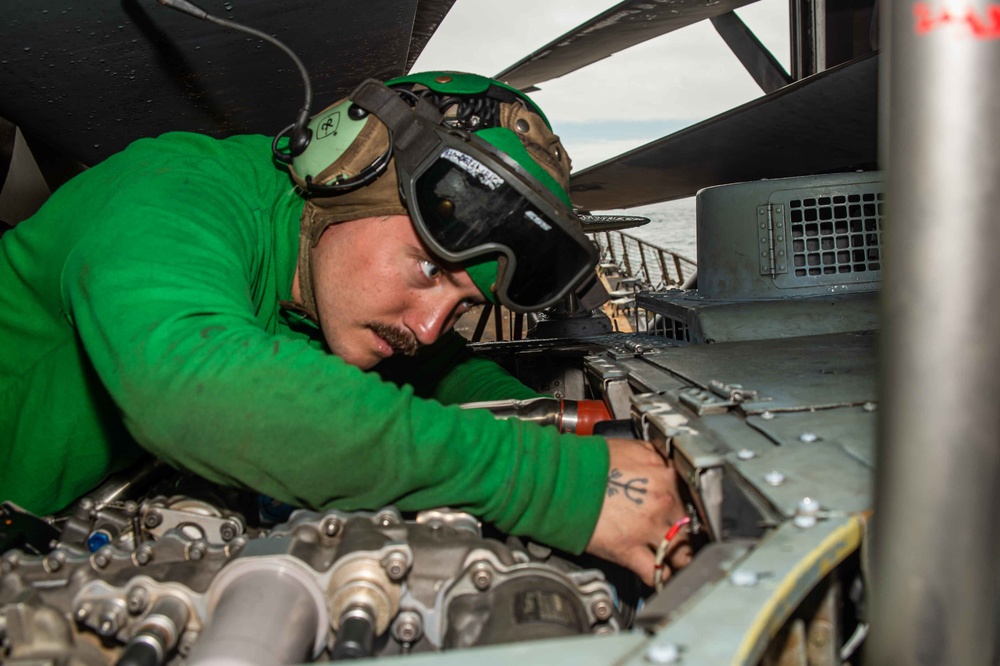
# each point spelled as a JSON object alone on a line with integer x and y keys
{"x": 469, "y": 200}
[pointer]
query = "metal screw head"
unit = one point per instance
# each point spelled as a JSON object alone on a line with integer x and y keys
{"x": 767, "y": 416}
{"x": 869, "y": 406}
{"x": 108, "y": 624}
{"x": 481, "y": 577}
{"x": 774, "y": 478}
{"x": 54, "y": 562}
{"x": 143, "y": 555}
{"x": 663, "y": 653}
{"x": 602, "y": 609}
{"x": 152, "y": 519}
{"x": 808, "y": 437}
{"x": 81, "y": 613}
{"x": 744, "y": 578}
{"x": 102, "y": 558}
{"x": 408, "y": 627}
{"x": 395, "y": 566}
{"x": 805, "y": 515}
{"x": 196, "y": 551}
{"x": 228, "y": 531}
{"x": 137, "y": 600}
{"x": 8, "y": 564}
{"x": 386, "y": 518}
{"x": 746, "y": 454}
{"x": 521, "y": 125}
{"x": 331, "y": 527}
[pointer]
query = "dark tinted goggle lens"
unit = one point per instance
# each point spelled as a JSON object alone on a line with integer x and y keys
{"x": 466, "y": 206}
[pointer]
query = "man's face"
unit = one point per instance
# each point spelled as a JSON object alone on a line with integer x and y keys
{"x": 380, "y": 292}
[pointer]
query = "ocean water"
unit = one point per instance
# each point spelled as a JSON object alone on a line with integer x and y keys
{"x": 671, "y": 226}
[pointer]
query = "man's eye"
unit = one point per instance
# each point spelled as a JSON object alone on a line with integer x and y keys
{"x": 430, "y": 269}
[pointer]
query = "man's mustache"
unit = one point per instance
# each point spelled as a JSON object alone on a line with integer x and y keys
{"x": 401, "y": 341}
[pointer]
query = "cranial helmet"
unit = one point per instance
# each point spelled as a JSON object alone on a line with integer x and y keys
{"x": 475, "y": 165}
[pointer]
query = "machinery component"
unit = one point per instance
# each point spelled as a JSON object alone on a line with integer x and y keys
{"x": 333, "y": 585}
{"x": 575, "y": 416}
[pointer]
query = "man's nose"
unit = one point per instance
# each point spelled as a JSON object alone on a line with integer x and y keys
{"x": 430, "y": 319}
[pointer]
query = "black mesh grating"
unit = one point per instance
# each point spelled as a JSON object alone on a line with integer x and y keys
{"x": 838, "y": 234}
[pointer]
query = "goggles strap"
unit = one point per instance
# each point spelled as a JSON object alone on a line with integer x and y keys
{"x": 408, "y": 126}
{"x": 592, "y": 294}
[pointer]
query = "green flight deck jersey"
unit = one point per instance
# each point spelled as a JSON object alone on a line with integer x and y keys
{"x": 140, "y": 308}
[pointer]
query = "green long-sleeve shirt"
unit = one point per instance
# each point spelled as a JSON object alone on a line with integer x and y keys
{"x": 140, "y": 307}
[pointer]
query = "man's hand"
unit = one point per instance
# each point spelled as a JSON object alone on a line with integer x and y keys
{"x": 640, "y": 504}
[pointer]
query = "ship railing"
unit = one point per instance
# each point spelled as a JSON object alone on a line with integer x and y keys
{"x": 654, "y": 267}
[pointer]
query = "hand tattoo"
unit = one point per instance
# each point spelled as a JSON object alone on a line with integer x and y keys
{"x": 631, "y": 488}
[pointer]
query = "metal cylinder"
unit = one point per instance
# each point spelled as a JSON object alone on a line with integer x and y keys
{"x": 936, "y": 548}
{"x": 265, "y": 610}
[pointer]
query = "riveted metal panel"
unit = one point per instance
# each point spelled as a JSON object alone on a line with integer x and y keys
{"x": 812, "y": 372}
{"x": 804, "y": 236}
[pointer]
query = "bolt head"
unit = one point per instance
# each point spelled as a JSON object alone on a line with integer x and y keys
{"x": 228, "y": 531}
{"x": 408, "y": 627}
{"x": 482, "y": 578}
{"x": 395, "y": 566}
{"x": 602, "y": 609}
{"x": 744, "y": 578}
{"x": 136, "y": 600}
{"x": 144, "y": 555}
{"x": 331, "y": 527}
{"x": 774, "y": 478}
{"x": 102, "y": 558}
{"x": 663, "y": 653}
{"x": 108, "y": 625}
{"x": 152, "y": 519}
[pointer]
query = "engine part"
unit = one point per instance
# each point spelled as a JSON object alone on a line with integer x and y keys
{"x": 319, "y": 585}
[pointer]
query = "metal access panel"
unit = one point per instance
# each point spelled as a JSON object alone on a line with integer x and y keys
{"x": 804, "y": 236}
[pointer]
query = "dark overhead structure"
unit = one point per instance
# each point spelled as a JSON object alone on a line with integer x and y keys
{"x": 825, "y": 123}
{"x": 626, "y": 24}
{"x": 90, "y": 77}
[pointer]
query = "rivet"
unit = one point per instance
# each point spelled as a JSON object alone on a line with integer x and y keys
{"x": 443, "y": 78}
{"x": 767, "y": 416}
{"x": 805, "y": 516}
{"x": 869, "y": 407}
{"x": 808, "y": 437}
{"x": 744, "y": 578}
{"x": 774, "y": 478}
{"x": 663, "y": 653}
{"x": 746, "y": 454}
{"x": 522, "y": 125}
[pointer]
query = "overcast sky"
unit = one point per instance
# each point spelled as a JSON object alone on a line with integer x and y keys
{"x": 624, "y": 101}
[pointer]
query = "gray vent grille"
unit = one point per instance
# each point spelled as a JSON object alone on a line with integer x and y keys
{"x": 837, "y": 234}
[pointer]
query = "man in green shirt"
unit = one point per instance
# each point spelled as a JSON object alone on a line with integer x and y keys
{"x": 187, "y": 298}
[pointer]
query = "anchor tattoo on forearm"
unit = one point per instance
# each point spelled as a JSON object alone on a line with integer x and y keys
{"x": 632, "y": 489}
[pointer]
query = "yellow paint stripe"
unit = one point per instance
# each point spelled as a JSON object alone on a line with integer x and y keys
{"x": 830, "y": 552}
